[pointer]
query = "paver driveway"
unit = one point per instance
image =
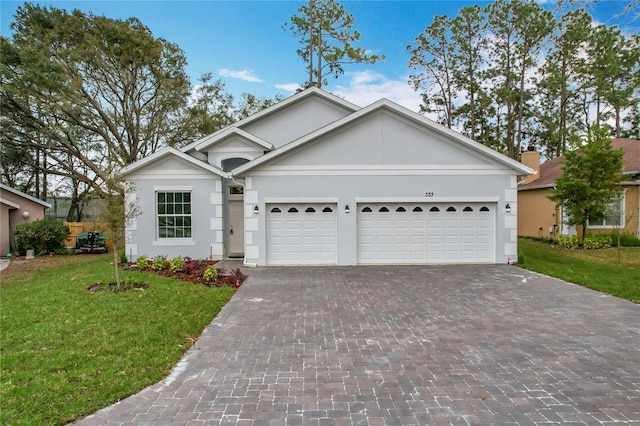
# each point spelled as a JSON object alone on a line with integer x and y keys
{"x": 403, "y": 345}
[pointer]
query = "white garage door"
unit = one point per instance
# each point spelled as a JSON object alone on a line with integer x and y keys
{"x": 426, "y": 233}
{"x": 301, "y": 234}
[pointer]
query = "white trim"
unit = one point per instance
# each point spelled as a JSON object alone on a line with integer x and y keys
{"x": 174, "y": 242}
{"x": 301, "y": 200}
{"x": 368, "y": 167}
{"x": 491, "y": 199}
{"x": 23, "y": 195}
{"x": 235, "y": 154}
{"x": 9, "y": 203}
{"x": 380, "y": 172}
{"x": 172, "y": 188}
{"x": 169, "y": 152}
{"x": 622, "y": 211}
{"x": 228, "y": 132}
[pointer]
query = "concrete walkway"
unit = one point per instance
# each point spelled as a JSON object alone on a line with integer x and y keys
{"x": 4, "y": 264}
{"x": 393, "y": 345}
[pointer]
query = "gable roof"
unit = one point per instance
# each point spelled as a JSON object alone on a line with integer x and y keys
{"x": 312, "y": 91}
{"x": 387, "y": 105}
{"x": 215, "y": 138}
{"x": 23, "y": 195}
{"x": 171, "y": 152}
{"x": 552, "y": 169}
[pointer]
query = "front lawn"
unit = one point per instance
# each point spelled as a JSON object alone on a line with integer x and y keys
{"x": 67, "y": 352}
{"x": 595, "y": 269}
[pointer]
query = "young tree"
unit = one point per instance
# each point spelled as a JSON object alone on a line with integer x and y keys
{"x": 590, "y": 179}
{"x": 120, "y": 209}
{"x": 325, "y": 32}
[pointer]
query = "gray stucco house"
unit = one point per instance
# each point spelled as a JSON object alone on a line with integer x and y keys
{"x": 314, "y": 179}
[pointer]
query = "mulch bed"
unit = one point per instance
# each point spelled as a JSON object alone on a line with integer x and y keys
{"x": 193, "y": 271}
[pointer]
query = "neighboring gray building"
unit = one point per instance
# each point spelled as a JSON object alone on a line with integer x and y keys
{"x": 317, "y": 180}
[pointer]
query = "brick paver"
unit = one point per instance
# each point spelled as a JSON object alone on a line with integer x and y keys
{"x": 403, "y": 345}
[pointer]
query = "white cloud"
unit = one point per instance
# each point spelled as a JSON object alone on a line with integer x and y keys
{"x": 367, "y": 87}
{"x": 289, "y": 87}
{"x": 245, "y": 75}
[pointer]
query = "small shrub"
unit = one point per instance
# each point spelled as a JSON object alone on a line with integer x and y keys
{"x": 176, "y": 264}
{"x": 211, "y": 273}
{"x": 189, "y": 266}
{"x": 626, "y": 239}
{"x": 42, "y": 236}
{"x": 596, "y": 241}
{"x": 122, "y": 256}
{"x": 142, "y": 261}
{"x": 568, "y": 241}
{"x": 159, "y": 263}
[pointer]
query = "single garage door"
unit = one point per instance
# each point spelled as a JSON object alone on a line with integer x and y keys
{"x": 426, "y": 233}
{"x": 301, "y": 234}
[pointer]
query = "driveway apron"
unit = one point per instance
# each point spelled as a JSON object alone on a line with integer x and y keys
{"x": 403, "y": 345}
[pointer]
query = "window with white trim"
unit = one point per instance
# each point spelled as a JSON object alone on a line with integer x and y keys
{"x": 173, "y": 211}
{"x": 614, "y": 216}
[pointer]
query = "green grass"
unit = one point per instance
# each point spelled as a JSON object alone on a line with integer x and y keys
{"x": 595, "y": 269}
{"x": 66, "y": 352}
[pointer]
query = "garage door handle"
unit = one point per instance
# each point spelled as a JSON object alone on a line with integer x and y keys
{"x": 231, "y": 231}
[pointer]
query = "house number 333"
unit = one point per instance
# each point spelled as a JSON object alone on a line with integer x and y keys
{"x": 428, "y": 194}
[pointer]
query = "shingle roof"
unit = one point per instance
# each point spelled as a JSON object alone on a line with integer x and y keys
{"x": 552, "y": 169}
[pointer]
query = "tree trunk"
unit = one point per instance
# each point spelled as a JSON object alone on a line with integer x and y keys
{"x": 311, "y": 25}
{"x": 319, "y": 71}
{"x": 116, "y": 263}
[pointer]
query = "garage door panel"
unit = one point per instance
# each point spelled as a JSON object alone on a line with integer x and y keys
{"x": 426, "y": 233}
{"x": 301, "y": 234}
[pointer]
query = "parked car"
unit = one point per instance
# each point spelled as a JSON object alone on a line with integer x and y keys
{"x": 92, "y": 241}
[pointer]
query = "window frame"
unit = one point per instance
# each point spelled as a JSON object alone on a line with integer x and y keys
{"x": 182, "y": 203}
{"x": 621, "y": 217}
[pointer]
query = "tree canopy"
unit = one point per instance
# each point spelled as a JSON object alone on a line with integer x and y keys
{"x": 512, "y": 74}
{"x": 83, "y": 96}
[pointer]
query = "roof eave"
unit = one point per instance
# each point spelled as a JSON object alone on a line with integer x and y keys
{"x": 141, "y": 164}
{"x": 23, "y": 195}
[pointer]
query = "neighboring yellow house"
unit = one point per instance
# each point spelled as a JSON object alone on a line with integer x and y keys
{"x": 538, "y": 216}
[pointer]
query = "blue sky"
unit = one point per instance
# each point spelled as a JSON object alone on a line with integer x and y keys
{"x": 243, "y": 42}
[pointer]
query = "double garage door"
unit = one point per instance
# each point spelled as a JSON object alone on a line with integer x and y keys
{"x": 426, "y": 233}
{"x": 387, "y": 233}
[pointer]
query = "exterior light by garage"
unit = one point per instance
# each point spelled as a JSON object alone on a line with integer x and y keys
{"x": 256, "y": 210}
{"x": 25, "y": 215}
{"x": 346, "y": 209}
{"x": 508, "y": 208}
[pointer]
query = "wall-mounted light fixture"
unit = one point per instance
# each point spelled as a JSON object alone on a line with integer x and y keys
{"x": 256, "y": 210}
{"x": 508, "y": 208}
{"x": 25, "y": 215}
{"x": 346, "y": 209}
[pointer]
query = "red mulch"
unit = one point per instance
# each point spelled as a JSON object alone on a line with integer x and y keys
{"x": 193, "y": 271}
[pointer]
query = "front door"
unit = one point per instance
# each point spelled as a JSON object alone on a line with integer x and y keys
{"x": 236, "y": 229}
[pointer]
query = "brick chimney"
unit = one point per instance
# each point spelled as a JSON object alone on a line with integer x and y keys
{"x": 531, "y": 158}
